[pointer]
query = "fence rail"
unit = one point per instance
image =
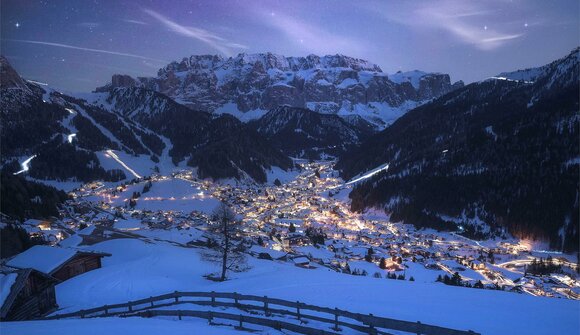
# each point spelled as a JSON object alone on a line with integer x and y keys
{"x": 367, "y": 323}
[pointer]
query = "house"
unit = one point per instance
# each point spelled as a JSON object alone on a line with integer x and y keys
{"x": 302, "y": 261}
{"x": 60, "y": 263}
{"x": 25, "y": 294}
{"x": 477, "y": 265}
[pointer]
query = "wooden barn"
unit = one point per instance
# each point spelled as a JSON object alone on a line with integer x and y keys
{"x": 60, "y": 263}
{"x": 25, "y": 294}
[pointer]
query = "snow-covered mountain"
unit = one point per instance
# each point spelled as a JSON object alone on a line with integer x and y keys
{"x": 305, "y": 133}
{"x": 548, "y": 72}
{"x": 503, "y": 151}
{"x": 249, "y": 85}
{"x": 68, "y": 137}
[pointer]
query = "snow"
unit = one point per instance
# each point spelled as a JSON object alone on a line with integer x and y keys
{"x": 369, "y": 174}
{"x": 140, "y": 326}
{"x": 129, "y": 224}
{"x": 413, "y": 77}
{"x": 42, "y": 258}
{"x": 274, "y": 253}
{"x": 114, "y": 156}
{"x": 167, "y": 194}
{"x": 6, "y": 282}
{"x": 528, "y": 75}
{"x": 489, "y": 130}
{"x": 347, "y": 83}
{"x": 138, "y": 269}
{"x": 71, "y": 241}
{"x": 70, "y": 137}
{"x": 232, "y": 109}
{"x": 381, "y": 114}
{"x": 25, "y": 165}
{"x": 141, "y": 165}
{"x": 277, "y": 173}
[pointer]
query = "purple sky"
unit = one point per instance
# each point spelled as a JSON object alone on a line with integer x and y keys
{"x": 77, "y": 45}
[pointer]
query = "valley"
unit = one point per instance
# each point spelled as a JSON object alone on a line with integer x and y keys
{"x": 151, "y": 239}
{"x": 264, "y": 168}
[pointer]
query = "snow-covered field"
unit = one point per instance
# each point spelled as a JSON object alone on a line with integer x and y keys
{"x": 117, "y": 326}
{"x": 138, "y": 269}
{"x": 169, "y": 194}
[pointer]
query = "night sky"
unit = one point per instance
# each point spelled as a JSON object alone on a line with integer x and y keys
{"x": 78, "y": 45}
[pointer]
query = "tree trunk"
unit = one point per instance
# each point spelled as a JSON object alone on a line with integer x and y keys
{"x": 226, "y": 250}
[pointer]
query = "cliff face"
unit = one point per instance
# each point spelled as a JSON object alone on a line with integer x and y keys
{"x": 248, "y": 86}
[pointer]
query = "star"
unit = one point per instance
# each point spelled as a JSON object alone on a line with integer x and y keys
{"x": 484, "y": 27}
{"x": 17, "y": 25}
{"x": 526, "y": 24}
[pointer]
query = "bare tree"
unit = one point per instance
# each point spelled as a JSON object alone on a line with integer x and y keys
{"x": 225, "y": 240}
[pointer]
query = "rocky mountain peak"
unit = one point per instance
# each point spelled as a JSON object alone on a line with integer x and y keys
{"x": 252, "y": 84}
{"x": 9, "y": 78}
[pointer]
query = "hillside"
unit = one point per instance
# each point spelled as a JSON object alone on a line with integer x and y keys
{"x": 502, "y": 152}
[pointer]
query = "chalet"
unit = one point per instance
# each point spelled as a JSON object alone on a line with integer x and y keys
{"x": 301, "y": 261}
{"x": 25, "y": 294}
{"x": 60, "y": 263}
{"x": 477, "y": 265}
{"x": 297, "y": 240}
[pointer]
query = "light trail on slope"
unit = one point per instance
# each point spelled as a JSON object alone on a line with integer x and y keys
{"x": 115, "y": 157}
{"x": 25, "y": 165}
{"x": 70, "y": 137}
{"x": 370, "y": 174}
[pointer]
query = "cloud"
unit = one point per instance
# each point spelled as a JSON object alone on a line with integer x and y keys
{"x": 136, "y": 22}
{"x": 469, "y": 22}
{"x": 310, "y": 37}
{"x": 213, "y": 40}
{"x": 67, "y": 46}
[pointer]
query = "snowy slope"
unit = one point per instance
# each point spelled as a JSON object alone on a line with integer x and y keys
{"x": 139, "y": 269}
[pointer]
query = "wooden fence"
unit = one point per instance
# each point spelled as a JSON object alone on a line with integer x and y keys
{"x": 335, "y": 318}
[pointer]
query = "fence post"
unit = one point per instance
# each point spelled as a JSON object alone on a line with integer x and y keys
{"x": 298, "y": 309}
{"x": 82, "y": 313}
{"x": 179, "y": 314}
{"x": 176, "y": 297}
{"x": 266, "y": 305}
{"x": 151, "y": 298}
{"x": 106, "y": 310}
{"x": 241, "y": 321}
{"x": 130, "y": 307}
{"x": 419, "y": 327}
{"x": 236, "y": 299}
{"x": 212, "y": 298}
{"x": 209, "y": 317}
{"x": 336, "y": 319}
{"x": 372, "y": 330}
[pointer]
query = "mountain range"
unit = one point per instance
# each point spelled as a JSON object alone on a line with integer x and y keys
{"x": 250, "y": 85}
{"x": 495, "y": 157}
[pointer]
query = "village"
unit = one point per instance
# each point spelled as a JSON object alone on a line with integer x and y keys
{"x": 305, "y": 221}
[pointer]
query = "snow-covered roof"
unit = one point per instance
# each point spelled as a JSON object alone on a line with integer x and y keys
{"x": 6, "y": 282}
{"x": 44, "y": 258}
{"x": 301, "y": 260}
